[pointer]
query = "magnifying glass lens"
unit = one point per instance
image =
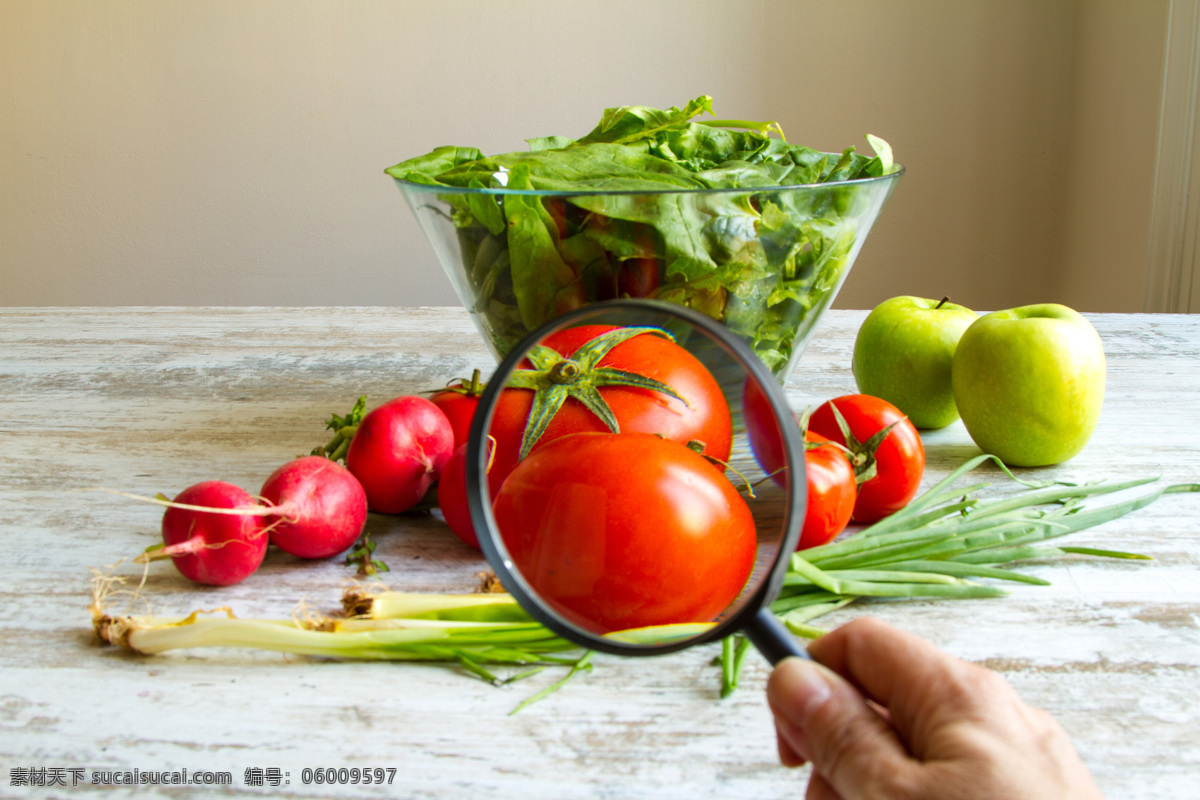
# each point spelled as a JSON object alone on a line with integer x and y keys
{"x": 629, "y": 530}
{"x": 630, "y": 473}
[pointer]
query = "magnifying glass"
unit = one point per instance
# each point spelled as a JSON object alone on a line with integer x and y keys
{"x": 636, "y": 480}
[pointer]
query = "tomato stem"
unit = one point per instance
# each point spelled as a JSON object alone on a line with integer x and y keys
{"x": 565, "y": 372}
{"x": 697, "y": 446}
{"x": 862, "y": 454}
{"x": 476, "y": 386}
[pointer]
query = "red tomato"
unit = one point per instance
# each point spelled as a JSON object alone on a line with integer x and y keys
{"x": 458, "y": 403}
{"x": 832, "y": 488}
{"x": 832, "y": 491}
{"x": 452, "y": 498}
{"x": 557, "y": 208}
{"x": 619, "y": 531}
{"x": 459, "y": 408}
{"x": 633, "y": 274}
{"x": 570, "y": 297}
{"x": 899, "y": 459}
{"x": 705, "y": 416}
{"x": 637, "y": 277}
{"x": 766, "y": 440}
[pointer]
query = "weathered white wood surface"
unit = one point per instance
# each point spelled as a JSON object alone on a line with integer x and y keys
{"x": 152, "y": 400}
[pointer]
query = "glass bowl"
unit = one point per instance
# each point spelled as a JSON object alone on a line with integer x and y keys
{"x": 766, "y": 262}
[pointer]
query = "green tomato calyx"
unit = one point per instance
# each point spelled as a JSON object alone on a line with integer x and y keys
{"x": 861, "y": 454}
{"x": 469, "y": 388}
{"x": 565, "y": 372}
{"x": 554, "y": 378}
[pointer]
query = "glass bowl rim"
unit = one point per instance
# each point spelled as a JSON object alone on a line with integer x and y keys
{"x": 438, "y": 188}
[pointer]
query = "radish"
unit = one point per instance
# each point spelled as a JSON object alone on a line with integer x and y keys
{"x": 398, "y": 452}
{"x": 319, "y": 507}
{"x": 216, "y": 547}
{"x": 217, "y": 533}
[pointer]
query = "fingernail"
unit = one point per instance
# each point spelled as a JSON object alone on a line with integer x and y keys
{"x": 797, "y": 690}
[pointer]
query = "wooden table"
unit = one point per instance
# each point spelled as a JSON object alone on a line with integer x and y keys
{"x": 152, "y": 400}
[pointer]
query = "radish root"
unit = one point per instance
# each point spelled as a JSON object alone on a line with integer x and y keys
{"x": 188, "y": 547}
{"x": 267, "y": 509}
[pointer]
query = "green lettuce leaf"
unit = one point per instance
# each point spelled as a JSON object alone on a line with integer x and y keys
{"x": 764, "y": 260}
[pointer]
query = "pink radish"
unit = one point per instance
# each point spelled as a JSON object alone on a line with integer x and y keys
{"x": 216, "y": 533}
{"x": 219, "y": 547}
{"x": 320, "y": 507}
{"x": 398, "y": 452}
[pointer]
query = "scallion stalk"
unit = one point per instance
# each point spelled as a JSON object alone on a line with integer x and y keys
{"x": 472, "y": 631}
{"x": 392, "y": 640}
{"x": 942, "y": 543}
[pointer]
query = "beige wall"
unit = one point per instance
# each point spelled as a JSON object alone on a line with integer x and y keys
{"x": 169, "y": 152}
{"x": 1117, "y": 70}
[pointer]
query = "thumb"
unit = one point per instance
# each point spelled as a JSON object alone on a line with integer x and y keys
{"x": 825, "y": 720}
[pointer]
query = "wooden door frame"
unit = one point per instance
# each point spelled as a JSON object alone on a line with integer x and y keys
{"x": 1173, "y": 260}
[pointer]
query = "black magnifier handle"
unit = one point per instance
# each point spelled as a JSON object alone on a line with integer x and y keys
{"x": 772, "y": 638}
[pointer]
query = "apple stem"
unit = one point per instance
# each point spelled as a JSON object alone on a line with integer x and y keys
{"x": 943, "y": 302}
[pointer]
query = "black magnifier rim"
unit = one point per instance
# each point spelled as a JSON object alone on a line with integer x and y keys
{"x": 480, "y": 507}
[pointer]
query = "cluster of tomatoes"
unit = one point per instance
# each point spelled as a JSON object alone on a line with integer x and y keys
{"x": 644, "y": 526}
{"x": 702, "y": 417}
{"x": 864, "y": 461}
{"x": 621, "y": 529}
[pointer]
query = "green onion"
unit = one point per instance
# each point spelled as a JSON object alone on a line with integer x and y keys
{"x": 391, "y": 640}
{"x": 733, "y": 656}
{"x": 961, "y": 569}
{"x": 584, "y": 663}
{"x": 472, "y": 631}
{"x": 479, "y": 607}
{"x": 942, "y": 544}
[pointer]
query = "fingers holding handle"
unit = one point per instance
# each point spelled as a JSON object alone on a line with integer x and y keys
{"x": 881, "y": 713}
{"x": 822, "y": 718}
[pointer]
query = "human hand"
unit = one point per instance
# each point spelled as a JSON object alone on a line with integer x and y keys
{"x": 885, "y": 714}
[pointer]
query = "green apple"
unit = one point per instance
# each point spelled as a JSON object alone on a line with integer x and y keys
{"x": 1029, "y": 383}
{"x": 903, "y": 354}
